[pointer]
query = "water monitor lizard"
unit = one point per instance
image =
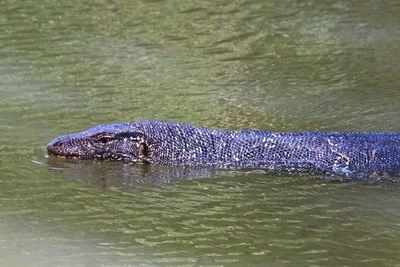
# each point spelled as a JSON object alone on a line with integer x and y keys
{"x": 344, "y": 154}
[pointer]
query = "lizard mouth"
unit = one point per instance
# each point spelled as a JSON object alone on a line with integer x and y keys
{"x": 58, "y": 149}
{"x": 54, "y": 152}
{"x": 62, "y": 148}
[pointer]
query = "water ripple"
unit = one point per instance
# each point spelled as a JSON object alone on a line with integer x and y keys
{"x": 277, "y": 65}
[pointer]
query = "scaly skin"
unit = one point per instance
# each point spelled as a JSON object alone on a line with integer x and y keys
{"x": 354, "y": 155}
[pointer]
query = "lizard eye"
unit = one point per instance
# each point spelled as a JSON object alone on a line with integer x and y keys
{"x": 104, "y": 140}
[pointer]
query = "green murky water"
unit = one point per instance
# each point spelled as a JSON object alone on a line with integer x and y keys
{"x": 277, "y": 65}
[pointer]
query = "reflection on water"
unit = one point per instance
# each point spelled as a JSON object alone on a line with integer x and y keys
{"x": 107, "y": 174}
{"x": 274, "y": 65}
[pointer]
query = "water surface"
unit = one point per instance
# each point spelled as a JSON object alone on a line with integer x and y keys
{"x": 275, "y": 65}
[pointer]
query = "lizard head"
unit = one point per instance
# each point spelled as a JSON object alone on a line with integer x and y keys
{"x": 113, "y": 141}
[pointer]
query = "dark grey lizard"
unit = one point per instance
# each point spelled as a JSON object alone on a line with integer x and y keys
{"x": 354, "y": 155}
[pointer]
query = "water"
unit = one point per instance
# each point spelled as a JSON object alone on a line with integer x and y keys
{"x": 277, "y": 65}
